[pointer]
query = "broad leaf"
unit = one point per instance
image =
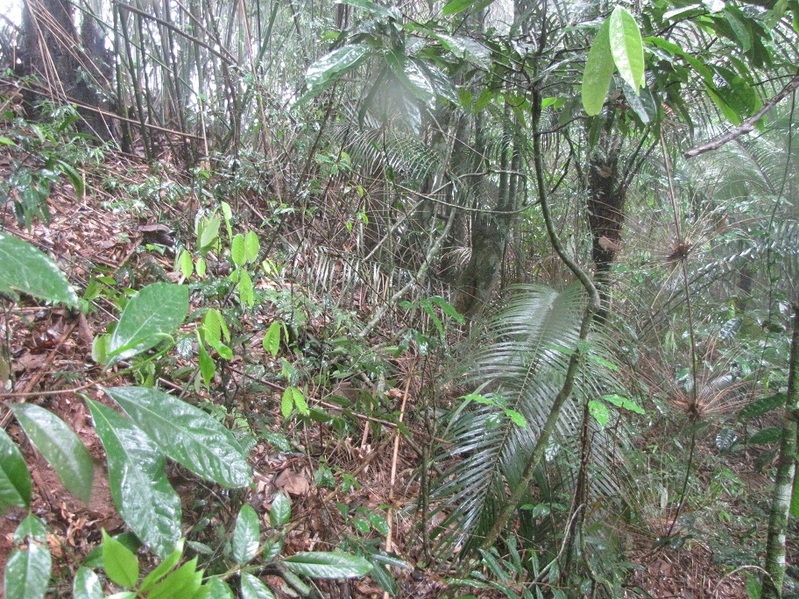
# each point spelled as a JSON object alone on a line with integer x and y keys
{"x": 15, "y": 480}
{"x": 60, "y": 447}
{"x": 237, "y": 253}
{"x": 327, "y": 564}
{"x": 251, "y": 246}
{"x": 163, "y": 568}
{"x": 246, "y": 535}
{"x": 27, "y": 571}
{"x": 30, "y": 271}
{"x": 453, "y": 7}
{"x": 150, "y": 316}
{"x": 627, "y": 48}
{"x": 140, "y": 489}
{"x": 216, "y": 588}
{"x": 253, "y": 588}
{"x": 86, "y": 585}
{"x": 598, "y": 72}
{"x": 599, "y": 411}
{"x": 120, "y": 563}
{"x": 280, "y": 512}
{"x": 183, "y": 582}
{"x": 271, "y": 341}
{"x": 332, "y": 66}
{"x": 186, "y": 434}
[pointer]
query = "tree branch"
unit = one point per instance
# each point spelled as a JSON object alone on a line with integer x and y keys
{"x": 748, "y": 125}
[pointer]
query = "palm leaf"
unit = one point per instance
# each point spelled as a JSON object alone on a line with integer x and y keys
{"x": 520, "y": 368}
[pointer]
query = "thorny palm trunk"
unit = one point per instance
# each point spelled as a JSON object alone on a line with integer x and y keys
{"x": 786, "y": 469}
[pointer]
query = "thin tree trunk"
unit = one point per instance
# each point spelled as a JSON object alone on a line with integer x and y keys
{"x": 786, "y": 470}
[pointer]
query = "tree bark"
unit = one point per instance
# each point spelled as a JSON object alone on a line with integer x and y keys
{"x": 786, "y": 471}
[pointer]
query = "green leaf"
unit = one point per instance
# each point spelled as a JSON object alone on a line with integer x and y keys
{"x": 86, "y": 585}
{"x": 186, "y": 264}
{"x": 183, "y": 582}
{"x": 253, "y": 588}
{"x": 327, "y": 564}
{"x": 150, "y": 316}
{"x": 516, "y": 418}
{"x": 763, "y": 406}
{"x": 27, "y": 571}
{"x": 599, "y": 411}
{"x": 271, "y": 342}
{"x": 246, "y": 535}
{"x": 246, "y": 289}
{"x": 252, "y": 247}
{"x": 207, "y": 366}
{"x": 186, "y": 434}
{"x": 163, "y": 568}
{"x": 15, "y": 480}
{"x": 120, "y": 563}
{"x": 201, "y": 267}
{"x": 293, "y": 398}
{"x": 60, "y": 447}
{"x": 624, "y": 403}
{"x": 453, "y": 7}
{"x": 237, "y": 253}
{"x": 216, "y": 588}
{"x": 209, "y": 232}
{"x": 627, "y": 47}
{"x": 765, "y": 436}
{"x": 227, "y": 212}
{"x": 598, "y": 72}
{"x": 334, "y": 65}
{"x": 139, "y": 486}
{"x": 280, "y": 512}
{"x": 30, "y": 271}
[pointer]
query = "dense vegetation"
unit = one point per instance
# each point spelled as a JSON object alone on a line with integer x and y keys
{"x": 339, "y": 299}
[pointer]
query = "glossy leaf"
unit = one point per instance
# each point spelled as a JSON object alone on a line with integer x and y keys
{"x": 60, "y": 446}
{"x": 150, "y": 316}
{"x": 334, "y": 65}
{"x": 27, "y": 269}
{"x": 86, "y": 585}
{"x": 139, "y": 486}
{"x": 216, "y": 588}
{"x": 598, "y": 72}
{"x": 186, "y": 434}
{"x": 15, "y": 480}
{"x": 246, "y": 535}
{"x": 327, "y": 564}
{"x": 280, "y": 512}
{"x": 120, "y": 563}
{"x": 253, "y": 588}
{"x": 27, "y": 571}
{"x": 627, "y": 47}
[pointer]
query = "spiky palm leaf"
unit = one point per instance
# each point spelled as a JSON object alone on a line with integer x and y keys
{"x": 520, "y": 367}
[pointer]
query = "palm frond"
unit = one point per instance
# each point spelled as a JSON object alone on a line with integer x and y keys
{"x": 520, "y": 367}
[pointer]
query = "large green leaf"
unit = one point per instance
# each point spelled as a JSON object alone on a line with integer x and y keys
{"x": 186, "y": 434}
{"x": 60, "y": 447}
{"x": 216, "y": 588}
{"x": 626, "y": 47}
{"x": 246, "y": 535}
{"x": 15, "y": 480}
{"x": 334, "y": 65}
{"x": 150, "y": 316}
{"x": 253, "y": 588}
{"x": 598, "y": 71}
{"x": 327, "y": 564}
{"x": 30, "y": 271}
{"x": 28, "y": 570}
{"x": 453, "y": 7}
{"x": 140, "y": 489}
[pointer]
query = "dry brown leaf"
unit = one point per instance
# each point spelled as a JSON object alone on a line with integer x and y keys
{"x": 292, "y": 483}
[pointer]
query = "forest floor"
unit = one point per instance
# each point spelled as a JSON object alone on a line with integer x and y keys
{"x": 51, "y": 349}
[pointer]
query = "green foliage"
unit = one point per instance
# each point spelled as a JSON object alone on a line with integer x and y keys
{"x": 28, "y": 567}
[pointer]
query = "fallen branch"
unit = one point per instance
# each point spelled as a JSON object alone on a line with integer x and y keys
{"x": 748, "y": 125}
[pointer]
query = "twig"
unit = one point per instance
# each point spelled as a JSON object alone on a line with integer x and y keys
{"x": 748, "y": 125}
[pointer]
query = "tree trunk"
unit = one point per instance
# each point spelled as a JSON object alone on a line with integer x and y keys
{"x": 607, "y": 195}
{"x": 786, "y": 470}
